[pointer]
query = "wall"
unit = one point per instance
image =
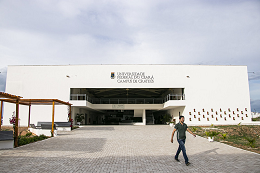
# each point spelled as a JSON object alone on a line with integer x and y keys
{"x": 205, "y": 87}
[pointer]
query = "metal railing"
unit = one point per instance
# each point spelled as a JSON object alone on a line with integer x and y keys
{"x": 127, "y": 100}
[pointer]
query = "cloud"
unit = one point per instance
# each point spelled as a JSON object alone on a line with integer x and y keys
{"x": 253, "y": 75}
{"x": 132, "y": 32}
{"x": 255, "y": 105}
{"x": 186, "y": 32}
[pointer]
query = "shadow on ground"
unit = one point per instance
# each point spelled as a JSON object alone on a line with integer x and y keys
{"x": 88, "y": 145}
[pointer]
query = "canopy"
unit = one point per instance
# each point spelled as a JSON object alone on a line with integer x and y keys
{"x": 5, "y": 97}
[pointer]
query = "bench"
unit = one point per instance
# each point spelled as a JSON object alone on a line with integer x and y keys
{"x": 43, "y": 128}
{"x": 48, "y": 126}
{"x": 6, "y": 139}
{"x": 61, "y": 126}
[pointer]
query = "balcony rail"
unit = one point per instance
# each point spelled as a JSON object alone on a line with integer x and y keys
{"x": 127, "y": 100}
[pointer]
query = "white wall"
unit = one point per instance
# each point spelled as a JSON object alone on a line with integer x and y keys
{"x": 206, "y": 87}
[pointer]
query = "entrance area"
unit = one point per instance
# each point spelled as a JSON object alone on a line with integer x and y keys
{"x": 116, "y": 106}
{"x": 120, "y": 117}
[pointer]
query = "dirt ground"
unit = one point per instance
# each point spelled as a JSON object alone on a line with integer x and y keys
{"x": 236, "y": 136}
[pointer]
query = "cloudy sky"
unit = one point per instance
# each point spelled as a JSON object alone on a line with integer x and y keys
{"x": 49, "y": 32}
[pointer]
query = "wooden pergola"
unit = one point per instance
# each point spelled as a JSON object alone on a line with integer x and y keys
{"x": 5, "y": 97}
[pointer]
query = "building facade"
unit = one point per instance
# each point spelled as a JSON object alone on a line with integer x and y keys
{"x": 133, "y": 94}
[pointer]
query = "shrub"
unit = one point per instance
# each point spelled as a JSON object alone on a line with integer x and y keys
{"x": 36, "y": 138}
{"x": 251, "y": 141}
{"x": 42, "y": 137}
{"x": 213, "y": 133}
{"x": 194, "y": 129}
{"x": 28, "y": 134}
{"x": 23, "y": 140}
{"x": 223, "y": 136}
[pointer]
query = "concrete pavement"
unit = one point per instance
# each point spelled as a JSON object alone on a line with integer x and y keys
{"x": 125, "y": 149}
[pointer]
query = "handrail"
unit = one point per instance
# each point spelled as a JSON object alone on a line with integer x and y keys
{"x": 127, "y": 100}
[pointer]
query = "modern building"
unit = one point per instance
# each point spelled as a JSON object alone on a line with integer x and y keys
{"x": 133, "y": 94}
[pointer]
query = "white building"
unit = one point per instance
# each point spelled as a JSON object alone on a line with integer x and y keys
{"x": 137, "y": 94}
{"x": 255, "y": 114}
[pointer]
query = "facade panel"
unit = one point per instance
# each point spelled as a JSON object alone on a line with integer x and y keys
{"x": 207, "y": 94}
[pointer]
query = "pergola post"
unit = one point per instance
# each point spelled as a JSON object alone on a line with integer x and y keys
{"x": 29, "y": 117}
{"x": 16, "y": 124}
{"x": 70, "y": 113}
{"x": 52, "y": 126}
{"x": 1, "y": 113}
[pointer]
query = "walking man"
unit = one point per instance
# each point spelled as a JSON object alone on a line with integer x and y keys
{"x": 181, "y": 128}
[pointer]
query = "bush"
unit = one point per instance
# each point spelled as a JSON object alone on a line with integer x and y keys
{"x": 28, "y": 134}
{"x": 23, "y": 140}
{"x": 194, "y": 129}
{"x": 42, "y": 137}
{"x": 251, "y": 141}
{"x": 36, "y": 138}
{"x": 213, "y": 133}
{"x": 223, "y": 136}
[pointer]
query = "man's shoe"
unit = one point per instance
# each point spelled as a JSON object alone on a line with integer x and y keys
{"x": 177, "y": 160}
{"x": 188, "y": 163}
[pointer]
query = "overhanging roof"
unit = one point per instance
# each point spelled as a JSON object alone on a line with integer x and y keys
{"x": 43, "y": 102}
{"x": 37, "y": 101}
{"x": 10, "y": 96}
{"x": 13, "y": 99}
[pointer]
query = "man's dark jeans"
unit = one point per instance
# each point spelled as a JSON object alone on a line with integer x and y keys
{"x": 183, "y": 149}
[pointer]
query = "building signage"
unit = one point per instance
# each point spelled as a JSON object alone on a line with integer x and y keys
{"x": 118, "y": 106}
{"x": 132, "y": 77}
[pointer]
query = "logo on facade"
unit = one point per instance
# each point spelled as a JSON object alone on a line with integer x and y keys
{"x": 132, "y": 77}
{"x": 112, "y": 75}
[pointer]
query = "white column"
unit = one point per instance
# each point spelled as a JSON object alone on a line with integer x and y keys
{"x": 144, "y": 117}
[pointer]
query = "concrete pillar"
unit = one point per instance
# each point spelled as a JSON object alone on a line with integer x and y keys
{"x": 138, "y": 113}
{"x": 144, "y": 117}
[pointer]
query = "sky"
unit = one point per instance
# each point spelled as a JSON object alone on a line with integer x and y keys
{"x": 61, "y": 32}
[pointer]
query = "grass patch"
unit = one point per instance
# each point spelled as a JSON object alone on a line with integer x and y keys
{"x": 241, "y": 136}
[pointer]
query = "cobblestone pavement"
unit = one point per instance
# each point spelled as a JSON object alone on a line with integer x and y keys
{"x": 125, "y": 149}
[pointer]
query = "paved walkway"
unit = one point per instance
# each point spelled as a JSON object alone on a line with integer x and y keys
{"x": 125, "y": 149}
